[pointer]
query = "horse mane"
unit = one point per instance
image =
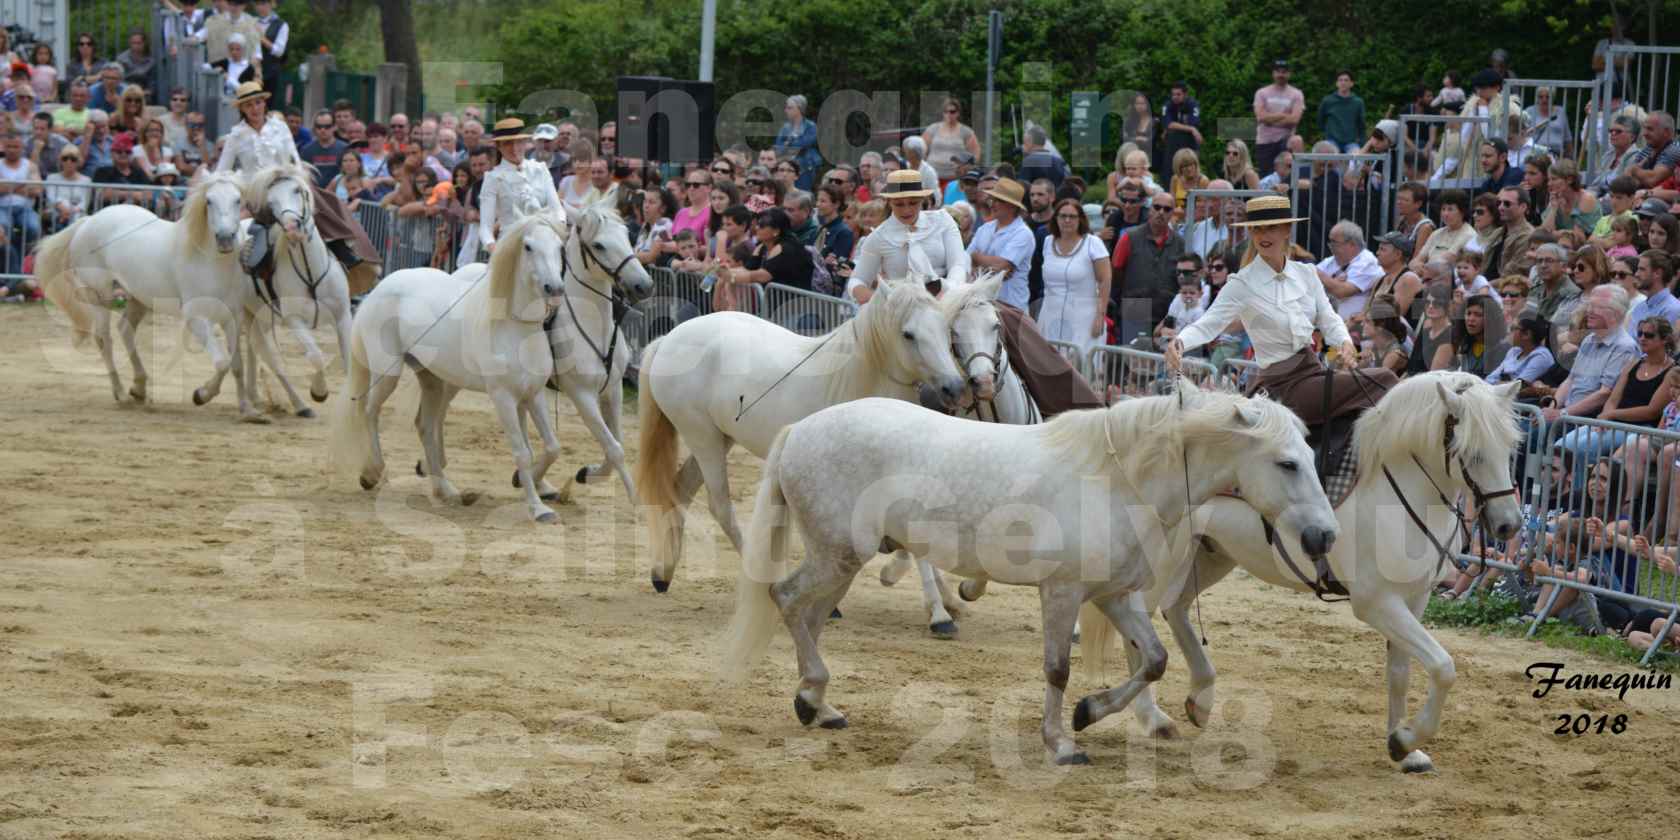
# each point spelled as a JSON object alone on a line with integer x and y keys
{"x": 875, "y": 325}
{"x": 1412, "y": 419}
{"x": 982, "y": 290}
{"x": 195, "y": 213}
{"x": 1147, "y": 431}
{"x": 493, "y": 301}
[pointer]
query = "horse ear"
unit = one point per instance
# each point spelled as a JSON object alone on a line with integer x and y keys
{"x": 1455, "y": 403}
{"x": 1508, "y": 391}
{"x": 989, "y": 285}
{"x": 1245, "y": 416}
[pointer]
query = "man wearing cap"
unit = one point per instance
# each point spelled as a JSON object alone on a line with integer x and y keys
{"x": 1654, "y": 166}
{"x": 1005, "y": 243}
{"x": 516, "y": 188}
{"x": 122, "y": 171}
{"x": 1278, "y": 108}
{"x": 1648, "y": 210}
{"x": 1281, "y": 303}
{"x": 963, "y": 185}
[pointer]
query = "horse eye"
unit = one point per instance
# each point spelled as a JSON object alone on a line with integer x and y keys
{"x": 909, "y": 337}
{"x": 527, "y": 247}
{"x": 1289, "y": 466}
{"x": 599, "y": 247}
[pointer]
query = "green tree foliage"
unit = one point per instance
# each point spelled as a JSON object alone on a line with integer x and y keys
{"x": 1222, "y": 48}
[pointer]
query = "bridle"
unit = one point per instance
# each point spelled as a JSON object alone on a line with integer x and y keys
{"x": 614, "y": 296}
{"x": 311, "y": 281}
{"x": 998, "y": 357}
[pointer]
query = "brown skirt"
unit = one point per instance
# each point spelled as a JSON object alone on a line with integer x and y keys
{"x": 1053, "y": 383}
{"x": 1298, "y": 382}
{"x": 336, "y": 224}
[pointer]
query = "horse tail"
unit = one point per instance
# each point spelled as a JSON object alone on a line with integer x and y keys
{"x": 1096, "y": 636}
{"x": 348, "y": 443}
{"x": 657, "y": 474}
{"x": 58, "y": 282}
{"x": 763, "y": 563}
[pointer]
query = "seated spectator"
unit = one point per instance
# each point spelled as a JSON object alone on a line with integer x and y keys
{"x": 107, "y": 90}
{"x": 175, "y": 119}
{"x": 1351, "y": 272}
{"x": 1467, "y": 276}
{"x": 1629, "y": 378}
{"x": 1622, "y": 201}
{"x": 137, "y": 60}
{"x": 1387, "y": 342}
{"x": 1536, "y": 182}
{"x": 1395, "y": 281}
{"x": 1569, "y": 206}
{"x": 20, "y": 225}
{"x": 1589, "y": 268}
{"x": 654, "y": 215}
{"x": 350, "y": 185}
{"x": 1279, "y": 179}
{"x": 1623, "y": 232}
{"x": 1663, "y": 235}
{"x": 85, "y": 67}
{"x": 1239, "y": 167}
{"x": 122, "y": 170}
{"x": 130, "y": 117}
{"x": 780, "y": 257}
{"x": 153, "y": 153}
{"x": 1648, "y": 458}
{"x": 45, "y": 145}
{"x": 1480, "y": 336}
{"x": 1527, "y": 359}
{"x": 1583, "y": 547}
{"x": 1432, "y": 348}
{"x": 1410, "y": 200}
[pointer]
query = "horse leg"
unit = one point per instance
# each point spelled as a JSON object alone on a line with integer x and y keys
{"x": 133, "y": 313}
{"x": 1128, "y": 615}
{"x": 507, "y": 408}
{"x": 550, "y": 453}
{"x": 1060, "y": 605}
{"x": 244, "y": 387}
{"x": 895, "y": 568}
{"x": 712, "y": 453}
{"x": 1407, "y": 637}
{"x": 940, "y": 623}
{"x": 805, "y": 599}
{"x": 102, "y": 339}
{"x": 688, "y": 481}
{"x": 262, "y": 342}
{"x": 317, "y": 359}
{"x": 613, "y": 413}
{"x": 427, "y": 421}
{"x": 590, "y": 410}
{"x": 379, "y": 390}
{"x": 1209, "y": 569}
{"x": 205, "y": 332}
{"x": 341, "y": 330}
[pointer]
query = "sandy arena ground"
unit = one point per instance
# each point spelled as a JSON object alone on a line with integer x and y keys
{"x": 205, "y": 634}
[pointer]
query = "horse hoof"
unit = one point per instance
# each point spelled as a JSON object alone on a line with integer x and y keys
{"x": 1193, "y": 712}
{"x": 1082, "y": 715}
{"x": 306, "y": 413}
{"x": 198, "y": 397}
{"x": 419, "y": 469}
{"x": 138, "y": 395}
{"x": 967, "y": 594}
{"x": 550, "y": 497}
{"x": 583, "y": 475}
{"x": 320, "y": 398}
{"x": 660, "y": 585}
{"x": 1165, "y": 732}
{"x": 835, "y": 613}
{"x": 367, "y": 484}
{"x": 468, "y": 498}
{"x": 548, "y": 518}
{"x": 805, "y": 711}
{"x": 516, "y": 483}
{"x": 1417, "y": 762}
{"x": 254, "y": 419}
{"x": 1074, "y": 758}
{"x": 943, "y": 630}
{"x": 834, "y": 723}
{"x": 1396, "y": 748}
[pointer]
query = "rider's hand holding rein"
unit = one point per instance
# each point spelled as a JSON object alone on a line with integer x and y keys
{"x": 1174, "y": 353}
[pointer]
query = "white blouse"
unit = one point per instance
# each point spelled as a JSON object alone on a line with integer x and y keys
{"x": 934, "y": 247}
{"x": 249, "y": 151}
{"x": 1279, "y": 310}
{"x": 510, "y": 194}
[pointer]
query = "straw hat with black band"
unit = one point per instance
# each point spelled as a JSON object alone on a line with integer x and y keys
{"x": 249, "y": 92}
{"x": 904, "y": 183}
{"x": 1269, "y": 210}
{"x": 509, "y": 129}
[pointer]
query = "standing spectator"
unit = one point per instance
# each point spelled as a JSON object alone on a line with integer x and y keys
{"x": 1548, "y": 124}
{"x": 343, "y": 114}
{"x": 1127, "y": 215}
{"x": 1341, "y": 114}
{"x": 1420, "y": 106}
{"x": 1145, "y": 259}
{"x": 472, "y": 135}
{"x": 780, "y": 258}
{"x": 834, "y": 240}
{"x": 1006, "y": 243}
{"x": 237, "y": 67}
{"x": 86, "y": 65}
{"x": 187, "y": 25}
{"x": 43, "y": 74}
{"x": 797, "y": 140}
{"x": 326, "y": 150}
{"x": 1182, "y": 119}
{"x": 653, "y": 236}
{"x": 351, "y": 186}
{"x": 276, "y": 34}
{"x": 802, "y": 222}
{"x": 229, "y": 19}
{"x": 915, "y": 157}
{"x": 1278, "y": 108}
{"x": 1654, "y": 281}
{"x": 609, "y": 139}
{"x": 137, "y": 60}
{"x": 602, "y": 190}
{"x": 1621, "y": 155}
{"x": 1142, "y": 130}
{"x": 17, "y": 201}
{"x": 1077, "y": 279}
{"x": 68, "y": 192}
{"x": 1350, "y": 271}
{"x": 1038, "y": 161}
{"x": 7, "y": 55}
{"x": 1655, "y": 164}
{"x": 1489, "y": 101}
{"x": 949, "y": 138}
{"x": 696, "y": 215}
{"x": 574, "y": 188}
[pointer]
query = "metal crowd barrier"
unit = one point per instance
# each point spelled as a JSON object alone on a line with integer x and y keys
{"x": 803, "y": 312}
{"x": 1140, "y": 373}
{"x": 1554, "y": 464}
{"x": 677, "y": 297}
{"x": 1329, "y": 201}
{"x": 1570, "y": 100}
{"x": 1237, "y": 374}
{"x": 26, "y": 224}
{"x": 1642, "y": 76}
{"x": 1223, "y": 200}
{"x": 1071, "y": 352}
{"x": 1446, "y": 162}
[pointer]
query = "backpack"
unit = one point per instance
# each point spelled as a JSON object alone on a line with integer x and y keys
{"x": 823, "y": 282}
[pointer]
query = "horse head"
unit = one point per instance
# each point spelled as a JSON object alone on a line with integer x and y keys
{"x": 282, "y": 194}
{"x": 213, "y": 209}
{"x": 1266, "y": 445}
{"x": 976, "y": 332}
{"x": 908, "y": 334}
{"x": 606, "y": 253}
{"x": 526, "y": 268}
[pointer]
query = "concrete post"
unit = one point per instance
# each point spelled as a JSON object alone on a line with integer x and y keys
{"x": 390, "y": 90}
{"x": 315, "y": 94}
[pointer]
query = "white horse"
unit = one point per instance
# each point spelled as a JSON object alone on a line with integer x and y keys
{"x": 1094, "y": 487}
{"x": 309, "y": 284}
{"x": 729, "y": 378}
{"x": 590, "y": 350}
{"x": 481, "y": 329}
{"x": 188, "y": 267}
{"x": 1434, "y": 437}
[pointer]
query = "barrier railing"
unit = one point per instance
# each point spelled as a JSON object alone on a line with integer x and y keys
{"x": 1238, "y": 374}
{"x": 803, "y": 312}
{"x": 51, "y": 205}
{"x": 1073, "y": 355}
{"x": 1200, "y": 237}
{"x": 1439, "y": 145}
{"x": 1330, "y": 200}
{"x": 1558, "y": 130}
{"x": 1642, "y": 76}
{"x": 1140, "y": 373}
